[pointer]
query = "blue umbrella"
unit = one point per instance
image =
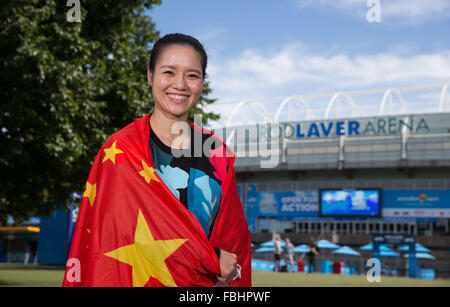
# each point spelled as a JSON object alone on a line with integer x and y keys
{"x": 422, "y": 256}
{"x": 419, "y": 248}
{"x": 326, "y": 244}
{"x": 369, "y": 247}
{"x": 388, "y": 253}
{"x": 262, "y": 265}
{"x": 345, "y": 250}
{"x": 385, "y": 251}
{"x": 265, "y": 249}
{"x": 302, "y": 249}
{"x": 271, "y": 243}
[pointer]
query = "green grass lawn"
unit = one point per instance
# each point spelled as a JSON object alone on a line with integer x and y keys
{"x": 20, "y": 275}
{"x": 29, "y": 275}
{"x": 272, "y": 279}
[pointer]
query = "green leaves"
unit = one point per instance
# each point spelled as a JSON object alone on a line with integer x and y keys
{"x": 67, "y": 86}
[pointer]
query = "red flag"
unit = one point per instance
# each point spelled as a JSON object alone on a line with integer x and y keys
{"x": 132, "y": 230}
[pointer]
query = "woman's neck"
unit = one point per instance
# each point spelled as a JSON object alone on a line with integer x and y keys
{"x": 162, "y": 126}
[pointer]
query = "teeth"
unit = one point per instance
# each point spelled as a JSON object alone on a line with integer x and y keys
{"x": 177, "y": 97}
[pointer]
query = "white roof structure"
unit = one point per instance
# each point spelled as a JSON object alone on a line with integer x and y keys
{"x": 392, "y": 101}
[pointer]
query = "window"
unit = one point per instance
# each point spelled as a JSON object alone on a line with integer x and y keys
{"x": 300, "y": 227}
{"x": 377, "y": 227}
{"x": 326, "y": 227}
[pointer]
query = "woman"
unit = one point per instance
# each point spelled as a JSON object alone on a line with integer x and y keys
{"x": 161, "y": 206}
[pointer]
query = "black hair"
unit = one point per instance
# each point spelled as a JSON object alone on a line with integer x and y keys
{"x": 177, "y": 39}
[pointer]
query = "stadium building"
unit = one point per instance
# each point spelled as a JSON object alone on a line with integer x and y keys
{"x": 309, "y": 165}
{"x": 338, "y": 166}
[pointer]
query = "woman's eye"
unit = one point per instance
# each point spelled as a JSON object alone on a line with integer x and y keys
{"x": 169, "y": 73}
{"x": 193, "y": 76}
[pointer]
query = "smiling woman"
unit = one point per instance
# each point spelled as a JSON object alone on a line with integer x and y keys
{"x": 158, "y": 214}
{"x": 175, "y": 72}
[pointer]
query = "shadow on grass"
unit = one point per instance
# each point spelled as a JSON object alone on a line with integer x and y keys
{"x": 9, "y": 284}
{"x": 18, "y": 266}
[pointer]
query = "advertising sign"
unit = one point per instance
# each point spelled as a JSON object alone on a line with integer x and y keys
{"x": 282, "y": 204}
{"x": 349, "y": 203}
{"x": 416, "y": 203}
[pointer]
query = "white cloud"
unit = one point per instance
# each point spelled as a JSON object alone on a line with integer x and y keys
{"x": 417, "y": 8}
{"x": 209, "y": 34}
{"x": 410, "y": 11}
{"x": 295, "y": 70}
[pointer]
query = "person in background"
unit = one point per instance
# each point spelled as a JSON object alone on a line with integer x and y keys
{"x": 314, "y": 251}
{"x": 289, "y": 251}
{"x": 277, "y": 254}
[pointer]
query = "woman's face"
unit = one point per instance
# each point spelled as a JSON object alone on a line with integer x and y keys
{"x": 177, "y": 80}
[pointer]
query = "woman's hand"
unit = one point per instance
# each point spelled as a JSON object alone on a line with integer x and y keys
{"x": 228, "y": 267}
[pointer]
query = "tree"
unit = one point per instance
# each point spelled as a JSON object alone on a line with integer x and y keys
{"x": 66, "y": 86}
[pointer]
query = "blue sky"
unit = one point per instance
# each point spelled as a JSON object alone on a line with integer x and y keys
{"x": 260, "y": 48}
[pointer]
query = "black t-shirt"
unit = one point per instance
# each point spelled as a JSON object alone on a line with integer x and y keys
{"x": 189, "y": 174}
{"x": 311, "y": 246}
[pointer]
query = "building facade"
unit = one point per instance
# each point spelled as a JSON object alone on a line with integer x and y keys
{"x": 281, "y": 169}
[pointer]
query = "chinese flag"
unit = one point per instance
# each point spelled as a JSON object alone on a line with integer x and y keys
{"x": 132, "y": 230}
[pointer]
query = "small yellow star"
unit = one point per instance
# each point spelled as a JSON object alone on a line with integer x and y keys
{"x": 111, "y": 152}
{"x": 147, "y": 256}
{"x": 90, "y": 192}
{"x": 148, "y": 173}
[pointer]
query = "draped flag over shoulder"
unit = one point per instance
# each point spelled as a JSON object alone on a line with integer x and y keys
{"x": 132, "y": 230}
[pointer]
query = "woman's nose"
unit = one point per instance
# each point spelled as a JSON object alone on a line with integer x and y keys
{"x": 179, "y": 83}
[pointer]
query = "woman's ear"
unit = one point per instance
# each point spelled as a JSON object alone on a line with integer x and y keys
{"x": 149, "y": 76}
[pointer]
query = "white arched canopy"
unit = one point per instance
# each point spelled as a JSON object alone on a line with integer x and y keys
{"x": 256, "y": 106}
{"x": 388, "y": 98}
{"x": 324, "y": 106}
{"x": 305, "y": 106}
{"x": 337, "y": 97}
{"x": 442, "y": 101}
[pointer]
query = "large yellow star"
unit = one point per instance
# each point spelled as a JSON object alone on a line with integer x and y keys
{"x": 147, "y": 255}
{"x": 148, "y": 173}
{"x": 111, "y": 152}
{"x": 90, "y": 192}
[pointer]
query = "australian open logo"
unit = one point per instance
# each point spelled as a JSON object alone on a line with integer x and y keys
{"x": 422, "y": 197}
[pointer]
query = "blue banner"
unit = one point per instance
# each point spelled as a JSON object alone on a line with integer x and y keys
{"x": 431, "y": 199}
{"x": 52, "y": 240}
{"x": 239, "y": 187}
{"x": 398, "y": 204}
{"x": 73, "y": 216}
{"x": 282, "y": 204}
{"x": 251, "y": 208}
{"x": 416, "y": 203}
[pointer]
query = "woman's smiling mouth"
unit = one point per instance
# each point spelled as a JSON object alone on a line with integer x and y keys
{"x": 177, "y": 98}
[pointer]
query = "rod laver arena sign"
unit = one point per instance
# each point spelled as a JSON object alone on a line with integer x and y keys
{"x": 369, "y": 126}
{"x": 354, "y": 127}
